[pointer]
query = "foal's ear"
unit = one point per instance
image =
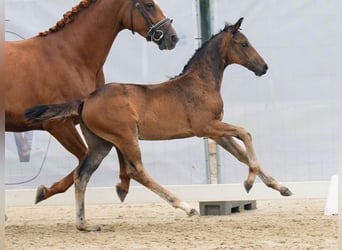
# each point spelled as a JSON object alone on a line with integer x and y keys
{"x": 236, "y": 26}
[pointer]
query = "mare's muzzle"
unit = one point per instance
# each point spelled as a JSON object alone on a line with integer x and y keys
{"x": 156, "y": 33}
{"x": 159, "y": 32}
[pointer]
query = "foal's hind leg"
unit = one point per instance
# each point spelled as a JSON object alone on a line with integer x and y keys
{"x": 135, "y": 169}
{"x": 123, "y": 186}
{"x": 240, "y": 153}
{"x": 66, "y": 133}
{"x": 98, "y": 149}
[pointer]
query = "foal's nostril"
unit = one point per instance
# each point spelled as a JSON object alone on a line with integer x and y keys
{"x": 266, "y": 67}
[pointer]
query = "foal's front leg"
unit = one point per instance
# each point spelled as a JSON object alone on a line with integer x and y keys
{"x": 222, "y": 133}
{"x": 229, "y": 144}
{"x": 235, "y": 149}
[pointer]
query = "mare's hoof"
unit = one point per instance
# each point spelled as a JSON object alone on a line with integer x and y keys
{"x": 286, "y": 192}
{"x": 193, "y": 212}
{"x": 247, "y": 186}
{"x": 89, "y": 228}
{"x": 40, "y": 194}
{"x": 121, "y": 192}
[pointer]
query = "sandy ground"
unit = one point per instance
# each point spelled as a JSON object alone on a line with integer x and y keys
{"x": 276, "y": 224}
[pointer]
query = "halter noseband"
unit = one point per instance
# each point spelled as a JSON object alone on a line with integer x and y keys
{"x": 154, "y": 34}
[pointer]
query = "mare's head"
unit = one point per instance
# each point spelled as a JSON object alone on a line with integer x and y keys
{"x": 240, "y": 51}
{"x": 147, "y": 18}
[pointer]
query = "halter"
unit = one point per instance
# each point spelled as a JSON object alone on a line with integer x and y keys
{"x": 154, "y": 34}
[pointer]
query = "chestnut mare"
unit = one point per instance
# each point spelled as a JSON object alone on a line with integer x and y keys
{"x": 188, "y": 105}
{"x": 66, "y": 63}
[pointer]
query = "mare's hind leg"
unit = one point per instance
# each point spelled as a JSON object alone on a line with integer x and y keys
{"x": 135, "y": 169}
{"x": 240, "y": 153}
{"x": 66, "y": 133}
{"x": 98, "y": 149}
{"x": 123, "y": 186}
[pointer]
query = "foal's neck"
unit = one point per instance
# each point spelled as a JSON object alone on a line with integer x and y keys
{"x": 208, "y": 63}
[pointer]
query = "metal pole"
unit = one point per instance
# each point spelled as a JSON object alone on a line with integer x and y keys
{"x": 204, "y": 33}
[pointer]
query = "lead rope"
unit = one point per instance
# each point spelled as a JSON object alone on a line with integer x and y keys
{"x": 39, "y": 171}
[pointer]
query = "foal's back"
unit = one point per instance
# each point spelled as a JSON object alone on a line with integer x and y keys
{"x": 152, "y": 112}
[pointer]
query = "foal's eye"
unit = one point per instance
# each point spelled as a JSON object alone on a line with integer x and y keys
{"x": 244, "y": 45}
{"x": 149, "y": 5}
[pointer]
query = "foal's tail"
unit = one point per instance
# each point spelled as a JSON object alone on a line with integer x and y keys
{"x": 44, "y": 112}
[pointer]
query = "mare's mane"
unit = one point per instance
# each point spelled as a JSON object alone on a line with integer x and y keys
{"x": 68, "y": 17}
{"x": 198, "y": 53}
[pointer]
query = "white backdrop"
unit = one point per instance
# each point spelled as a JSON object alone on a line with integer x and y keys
{"x": 290, "y": 111}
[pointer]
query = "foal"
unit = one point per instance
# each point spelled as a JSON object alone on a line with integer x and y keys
{"x": 185, "y": 106}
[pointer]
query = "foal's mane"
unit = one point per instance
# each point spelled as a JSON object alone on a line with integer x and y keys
{"x": 68, "y": 17}
{"x": 198, "y": 53}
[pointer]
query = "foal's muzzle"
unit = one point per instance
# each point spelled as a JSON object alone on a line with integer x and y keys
{"x": 262, "y": 71}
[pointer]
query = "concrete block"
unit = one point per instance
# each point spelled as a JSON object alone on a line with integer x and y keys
{"x": 225, "y": 207}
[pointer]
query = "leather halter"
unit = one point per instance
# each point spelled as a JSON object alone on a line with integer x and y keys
{"x": 155, "y": 33}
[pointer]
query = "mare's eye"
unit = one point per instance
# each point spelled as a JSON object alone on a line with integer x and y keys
{"x": 149, "y": 5}
{"x": 244, "y": 45}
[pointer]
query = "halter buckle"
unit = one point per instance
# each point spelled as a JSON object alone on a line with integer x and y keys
{"x": 157, "y": 34}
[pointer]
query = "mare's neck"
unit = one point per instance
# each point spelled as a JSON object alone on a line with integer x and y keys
{"x": 91, "y": 34}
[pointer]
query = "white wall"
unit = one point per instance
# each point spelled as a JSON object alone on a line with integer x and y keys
{"x": 291, "y": 111}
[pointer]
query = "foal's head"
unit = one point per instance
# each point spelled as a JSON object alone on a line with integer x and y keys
{"x": 147, "y": 18}
{"x": 240, "y": 51}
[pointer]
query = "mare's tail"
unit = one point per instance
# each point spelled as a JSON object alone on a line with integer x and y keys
{"x": 43, "y": 112}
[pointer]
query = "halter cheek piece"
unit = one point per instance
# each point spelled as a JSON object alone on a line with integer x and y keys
{"x": 155, "y": 33}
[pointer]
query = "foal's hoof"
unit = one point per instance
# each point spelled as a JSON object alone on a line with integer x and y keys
{"x": 88, "y": 228}
{"x": 40, "y": 194}
{"x": 121, "y": 192}
{"x": 193, "y": 212}
{"x": 247, "y": 186}
{"x": 286, "y": 192}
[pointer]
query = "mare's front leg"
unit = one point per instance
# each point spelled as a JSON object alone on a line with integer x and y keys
{"x": 222, "y": 133}
{"x": 98, "y": 149}
{"x": 123, "y": 186}
{"x": 66, "y": 133}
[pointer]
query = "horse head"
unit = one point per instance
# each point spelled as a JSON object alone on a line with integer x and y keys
{"x": 241, "y": 51}
{"x": 147, "y": 18}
